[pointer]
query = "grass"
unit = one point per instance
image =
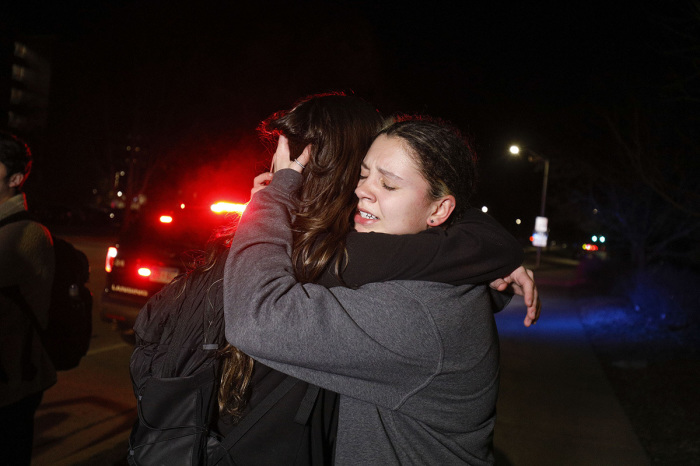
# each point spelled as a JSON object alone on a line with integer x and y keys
{"x": 646, "y": 333}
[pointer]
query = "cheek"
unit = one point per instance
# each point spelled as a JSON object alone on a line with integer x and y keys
{"x": 415, "y": 213}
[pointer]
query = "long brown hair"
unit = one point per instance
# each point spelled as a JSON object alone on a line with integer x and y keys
{"x": 340, "y": 129}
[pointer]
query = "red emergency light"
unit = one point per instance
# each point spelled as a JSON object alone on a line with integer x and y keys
{"x": 109, "y": 260}
{"x": 223, "y": 207}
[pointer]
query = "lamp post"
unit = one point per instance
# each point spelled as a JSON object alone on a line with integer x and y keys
{"x": 535, "y": 157}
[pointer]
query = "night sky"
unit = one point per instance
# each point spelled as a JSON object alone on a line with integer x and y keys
{"x": 190, "y": 81}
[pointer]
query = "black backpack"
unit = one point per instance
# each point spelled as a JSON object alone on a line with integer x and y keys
{"x": 176, "y": 372}
{"x": 67, "y": 336}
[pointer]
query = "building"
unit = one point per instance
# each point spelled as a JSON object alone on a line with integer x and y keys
{"x": 25, "y": 78}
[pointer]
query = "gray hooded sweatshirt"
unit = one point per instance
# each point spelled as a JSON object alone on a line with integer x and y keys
{"x": 415, "y": 362}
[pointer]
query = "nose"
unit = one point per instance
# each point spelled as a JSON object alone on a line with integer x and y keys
{"x": 363, "y": 191}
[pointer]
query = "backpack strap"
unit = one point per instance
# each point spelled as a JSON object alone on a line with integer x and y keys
{"x": 252, "y": 418}
{"x": 307, "y": 404}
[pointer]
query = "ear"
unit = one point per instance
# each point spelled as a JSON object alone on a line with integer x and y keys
{"x": 441, "y": 210}
{"x": 16, "y": 180}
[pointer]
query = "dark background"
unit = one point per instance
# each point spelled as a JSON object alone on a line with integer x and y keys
{"x": 188, "y": 82}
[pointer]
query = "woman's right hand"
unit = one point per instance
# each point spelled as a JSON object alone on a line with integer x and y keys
{"x": 522, "y": 282}
{"x": 282, "y": 158}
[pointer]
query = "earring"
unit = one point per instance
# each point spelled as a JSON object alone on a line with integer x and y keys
{"x": 432, "y": 221}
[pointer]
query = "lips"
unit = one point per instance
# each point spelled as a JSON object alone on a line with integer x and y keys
{"x": 364, "y": 218}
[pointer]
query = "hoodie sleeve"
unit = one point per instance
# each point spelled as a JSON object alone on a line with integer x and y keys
{"x": 345, "y": 340}
{"x": 477, "y": 249}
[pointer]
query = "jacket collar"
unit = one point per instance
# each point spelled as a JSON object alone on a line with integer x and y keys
{"x": 16, "y": 203}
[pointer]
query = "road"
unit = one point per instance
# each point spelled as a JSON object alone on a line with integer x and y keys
{"x": 89, "y": 412}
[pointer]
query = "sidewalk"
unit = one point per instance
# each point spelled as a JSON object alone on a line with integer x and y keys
{"x": 556, "y": 407}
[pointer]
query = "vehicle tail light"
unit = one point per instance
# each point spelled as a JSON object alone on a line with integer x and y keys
{"x": 227, "y": 207}
{"x": 166, "y": 219}
{"x": 590, "y": 247}
{"x": 109, "y": 260}
{"x": 144, "y": 271}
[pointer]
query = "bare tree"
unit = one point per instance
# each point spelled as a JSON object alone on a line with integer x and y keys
{"x": 642, "y": 187}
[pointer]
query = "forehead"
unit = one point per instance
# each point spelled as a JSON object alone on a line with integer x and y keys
{"x": 392, "y": 158}
{"x": 389, "y": 149}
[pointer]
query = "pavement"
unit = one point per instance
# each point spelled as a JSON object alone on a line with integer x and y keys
{"x": 556, "y": 406}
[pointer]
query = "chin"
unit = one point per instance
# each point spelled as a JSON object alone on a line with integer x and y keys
{"x": 363, "y": 229}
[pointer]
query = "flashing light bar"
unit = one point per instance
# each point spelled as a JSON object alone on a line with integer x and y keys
{"x": 144, "y": 272}
{"x": 227, "y": 207}
{"x": 166, "y": 219}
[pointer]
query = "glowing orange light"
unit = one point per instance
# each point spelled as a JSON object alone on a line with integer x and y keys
{"x": 109, "y": 260}
{"x": 166, "y": 219}
{"x": 223, "y": 207}
{"x": 144, "y": 272}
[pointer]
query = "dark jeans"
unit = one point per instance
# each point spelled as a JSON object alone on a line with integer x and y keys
{"x": 17, "y": 430}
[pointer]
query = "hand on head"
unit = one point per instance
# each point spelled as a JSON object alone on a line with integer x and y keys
{"x": 281, "y": 160}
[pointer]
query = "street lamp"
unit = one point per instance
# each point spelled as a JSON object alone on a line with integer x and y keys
{"x": 534, "y": 157}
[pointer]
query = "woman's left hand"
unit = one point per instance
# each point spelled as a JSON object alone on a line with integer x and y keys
{"x": 282, "y": 158}
{"x": 260, "y": 181}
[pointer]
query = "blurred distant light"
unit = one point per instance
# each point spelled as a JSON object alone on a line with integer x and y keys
{"x": 595, "y": 211}
{"x": 589, "y": 247}
{"x": 227, "y": 207}
{"x": 122, "y": 173}
{"x": 182, "y": 206}
{"x": 594, "y": 238}
{"x": 137, "y": 148}
{"x": 94, "y": 190}
{"x": 111, "y": 215}
{"x": 109, "y": 260}
{"x": 539, "y": 239}
{"x": 518, "y": 221}
{"x": 144, "y": 272}
{"x": 484, "y": 209}
{"x": 166, "y": 219}
{"x": 128, "y": 148}
{"x": 602, "y": 239}
{"x": 515, "y": 150}
{"x": 119, "y": 194}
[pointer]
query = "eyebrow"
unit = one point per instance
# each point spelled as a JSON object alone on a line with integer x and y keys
{"x": 384, "y": 172}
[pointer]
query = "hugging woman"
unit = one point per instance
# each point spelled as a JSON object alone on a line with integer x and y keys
{"x": 414, "y": 359}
